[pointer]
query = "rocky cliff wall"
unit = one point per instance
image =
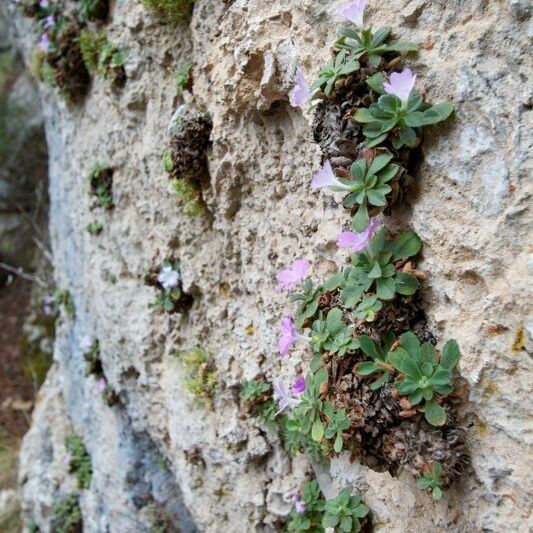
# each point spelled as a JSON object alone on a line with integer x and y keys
{"x": 470, "y": 209}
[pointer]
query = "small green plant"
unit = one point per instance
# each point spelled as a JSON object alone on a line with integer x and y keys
{"x": 309, "y": 512}
{"x": 80, "y": 461}
{"x": 343, "y": 513}
{"x": 62, "y": 299}
{"x": 101, "y": 186}
{"x": 432, "y": 481}
{"x": 368, "y": 308}
{"x": 201, "y": 376}
{"x": 172, "y": 11}
{"x": 390, "y": 116}
{"x": 338, "y": 421}
{"x": 371, "y": 47}
{"x": 67, "y": 517}
{"x": 167, "y": 162}
{"x": 253, "y": 389}
{"x": 380, "y": 363}
{"x": 189, "y": 195}
{"x": 183, "y": 78}
{"x": 423, "y": 375}
{"x": 373, "y": 270}
{"x": 94, "y": 228}
{"x": 308, "y": 302}
{"x": 332, "y": 334}
{"x": 334, "y": 70}
{"x": 102, "y": 57}
{"x": 369, "y": 187}
{"x": 93, "y": 363}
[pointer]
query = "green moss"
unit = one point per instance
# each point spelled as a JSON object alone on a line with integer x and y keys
{"x": 183, "y": 78}
{"x": 189, "y": 195}
{"x": 101, "y": 57}
{"x": 201, "y": 376}
{"x": 172, "y": 11}
{"x": 67, "y": 516}
{"x": 168, "y": 164}
{"x": 94, "y": 227}
{"x": 80, "y": 460}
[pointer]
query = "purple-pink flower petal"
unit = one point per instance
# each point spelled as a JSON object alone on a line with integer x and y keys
{"x": 283, "y": 397}
{"x": 299, "y": 505}
{"x": 354, "y": 12}
{"x": 290, "y": 277}
{"x": 299, "y": 96}
{"x": 44, "y": 43}
{"x": 49, "y": 22}
{"x": 288, "y": 335}
{"x": 401, "y": 84}
{"x": 298, "y": 387}
{"x": 325, "y": 177}
{"x": 101, "y": 385}
{"x": 358, "y": 241}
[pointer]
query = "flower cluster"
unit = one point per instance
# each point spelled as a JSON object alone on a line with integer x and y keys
{"x": 372, "y": 385}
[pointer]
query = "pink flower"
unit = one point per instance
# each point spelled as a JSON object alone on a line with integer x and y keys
{"x": 283, "y": 397}
{"x": 44, "y": 43}
{"x": 48, "y": 301}
{"x": 49, "y": 22}
{"x": 288, "y": 336}
{"x": 85, "y": 343}
{"x": 101, "y": 385}
{"x": 299, "y": 505}
{"x": 354, "y": 12}
{"x": 299, "y": 96}
{"x": 326, "y": 178}
{"x": 290, "y": 277}
{"x": 298, "y": 387}
{"x": 358, "y": 241}
{"x": 401, "y": 84}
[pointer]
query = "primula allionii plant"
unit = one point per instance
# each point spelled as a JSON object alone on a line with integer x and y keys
{"x": 344, "y": 512}
{"x": 335, "y": 69}
{"x": 380, "y": 363}
{"x": 398, "y": 112}
{"x": 425, "y": 376}
{"x": 168, "y": 280}
{"x": 80, "y": 461}
{"x": 374, "y": 270}
{"x": 332, "y": 334}
{"x": 432, "y": 481}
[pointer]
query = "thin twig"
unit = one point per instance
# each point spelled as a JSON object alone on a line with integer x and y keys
{"x": 19, "y": 272}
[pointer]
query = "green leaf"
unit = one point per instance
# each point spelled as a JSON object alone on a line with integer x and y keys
{"x": 386, "y": 288}
{"x": 410, "y": 343}
{"x": 380, "y": 36}
{"x": 360, "y": 220}
{"x": 358, "y": 169}
{"x": 360, "y": 511}
{"x": 407, "y": 244}
{"x": 443, "y": 110}
{"x": 434, "y": 413}
{"x": 366, "y": 368}
{"x": 427, "y": 353}
{"x": 376, "y": 198}
{"x": 450, "y": 355}
{"x": 442, "y": 376}
{"x": 380, "y": 162}
{"x": 334, "y": 282}
{"x": 406, "y": 284}
{"x": 375, "y": 82}
{"x": 423, "y": 483}
{"x": 374, "y": 60}
{"x": 330, "y": 520}
{"x": 408, "y": 136}
{"x": 415, "y": 119}
{"x": 369, "y": 347}
{"x": 346, "y": 523}
{"x": 337, "y": 446}
{"x": 334, "y": 320}
{"x": 316, "y": 362}
{"x": 363, "y": 115}
{"x": 402, "y": 47}
{"x": 436, "y": 493}
{"x": 389, "y": 103}
{"x": 317, "y": 431}
{"x": 351, "y": 295}
{"x": 377, "y": 140}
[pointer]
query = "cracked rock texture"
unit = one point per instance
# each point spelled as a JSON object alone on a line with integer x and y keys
{"x": 470, "y": 208}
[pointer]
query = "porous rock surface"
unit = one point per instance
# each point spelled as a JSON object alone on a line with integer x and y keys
{"x": 470, "y": 209}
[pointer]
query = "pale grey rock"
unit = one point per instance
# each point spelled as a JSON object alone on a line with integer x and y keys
{"x": 471, "y": 210}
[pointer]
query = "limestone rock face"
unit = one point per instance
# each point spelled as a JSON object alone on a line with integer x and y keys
{"x": 470, "y": 209}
